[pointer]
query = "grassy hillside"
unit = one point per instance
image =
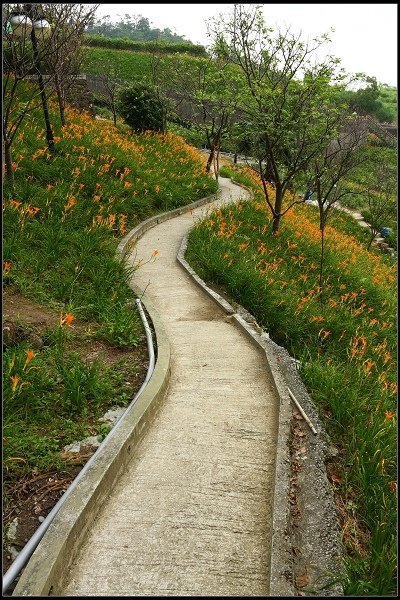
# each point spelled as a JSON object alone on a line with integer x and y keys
{"x": 62, "y": 223}
{"x": 345, "y": 340}
{"x": 125, "y": 65}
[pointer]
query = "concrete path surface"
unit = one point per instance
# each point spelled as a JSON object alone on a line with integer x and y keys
{"x": 192, "y": 513}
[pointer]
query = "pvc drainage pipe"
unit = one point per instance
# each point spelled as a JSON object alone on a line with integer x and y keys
{"x": 32, "y": 544}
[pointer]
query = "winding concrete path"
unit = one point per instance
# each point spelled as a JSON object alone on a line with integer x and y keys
{"x": 192, "y": 514}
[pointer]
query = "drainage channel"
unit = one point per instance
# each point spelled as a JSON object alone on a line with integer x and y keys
{"x": 27, "y": 551}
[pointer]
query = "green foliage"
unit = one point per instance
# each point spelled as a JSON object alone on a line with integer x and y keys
{"x": 141, "y": 108}
{"x": 284, "y": 96}
{"x": 62, "y": 223}
{"x": 136, "y": 28}
{"x": 129, "y": 66}
{"x": 365, "y": 100}
{"x": 388, "y": 98}
{"x": 42, "y": 393}
{"x": 376, "y": 100}
{"x": 193, "y": 135}
{"x": 346, "y": 346}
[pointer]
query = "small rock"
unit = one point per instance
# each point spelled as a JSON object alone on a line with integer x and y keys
{"x": 11, "y": 534}
{"x": 36, "y": 341}
{"x": 112, "y": 415}
{"x": 14, "y": 552}
{"x": 41, "y": 519}
{"x": 75, "y": 447}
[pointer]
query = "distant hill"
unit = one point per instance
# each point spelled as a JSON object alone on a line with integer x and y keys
{"x": 136, "y": 28}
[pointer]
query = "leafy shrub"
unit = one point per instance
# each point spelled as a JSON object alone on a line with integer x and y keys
{"x": 141, "y": 108}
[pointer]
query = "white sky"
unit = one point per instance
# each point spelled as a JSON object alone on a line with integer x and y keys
{"x": 365, "y": 36}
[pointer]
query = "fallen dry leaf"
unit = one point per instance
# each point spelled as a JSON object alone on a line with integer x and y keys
{"x": 302, "y": 580}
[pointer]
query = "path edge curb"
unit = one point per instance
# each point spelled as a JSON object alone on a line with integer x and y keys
{"x": 281, "y": 548}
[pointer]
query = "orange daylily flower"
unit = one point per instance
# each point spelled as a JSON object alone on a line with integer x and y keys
{"x": 324, "y": 334}
{"x": 67, "y": 320}
{"x": 368, "y": 364}
{"x": 15, "y": 203}
{"x": 389, "y": 415}
{"x": 30, "y": 354}
{"x": 15, "y": 379}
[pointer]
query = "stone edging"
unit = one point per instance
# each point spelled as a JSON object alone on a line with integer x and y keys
{"x": 281, "y": 546}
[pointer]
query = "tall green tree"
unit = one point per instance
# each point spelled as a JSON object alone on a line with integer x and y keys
{"x": 287, "y": 108}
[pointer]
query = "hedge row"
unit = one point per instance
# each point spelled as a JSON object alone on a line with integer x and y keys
{"x": 136, "y": 46}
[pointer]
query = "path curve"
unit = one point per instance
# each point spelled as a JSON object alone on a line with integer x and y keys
{"x": 192, "y": 514}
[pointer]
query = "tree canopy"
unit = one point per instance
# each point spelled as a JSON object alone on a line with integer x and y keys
{"x": 136, "y": 28}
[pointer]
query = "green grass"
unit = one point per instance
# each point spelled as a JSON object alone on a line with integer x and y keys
{"x": 125, "y": 65}
{"x": 345, "y": 342}
{"x": 52, "y": 399}
{"x": 63, "y": 220}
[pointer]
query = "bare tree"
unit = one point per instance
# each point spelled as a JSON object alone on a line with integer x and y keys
{"x": 25, "y": 57}
{"x": 21, "y": 60}
{"x": 327, "y": 175}
{"x": 203, "y": 93}
{"x": 65, "y": 59}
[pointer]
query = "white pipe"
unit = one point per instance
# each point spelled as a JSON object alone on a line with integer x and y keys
{"x": 31, "y": 545}
{"x": 302, "y": 412}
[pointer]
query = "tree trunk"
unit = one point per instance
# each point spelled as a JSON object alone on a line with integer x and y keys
{"x": 9, "y": 174}
{"x": 371, "y": 239}
{"x": 216, "y": 163}
{"x": 49, "y": 132}
{"x": 277, "y": 208}
{"x": 210, "y": 158}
